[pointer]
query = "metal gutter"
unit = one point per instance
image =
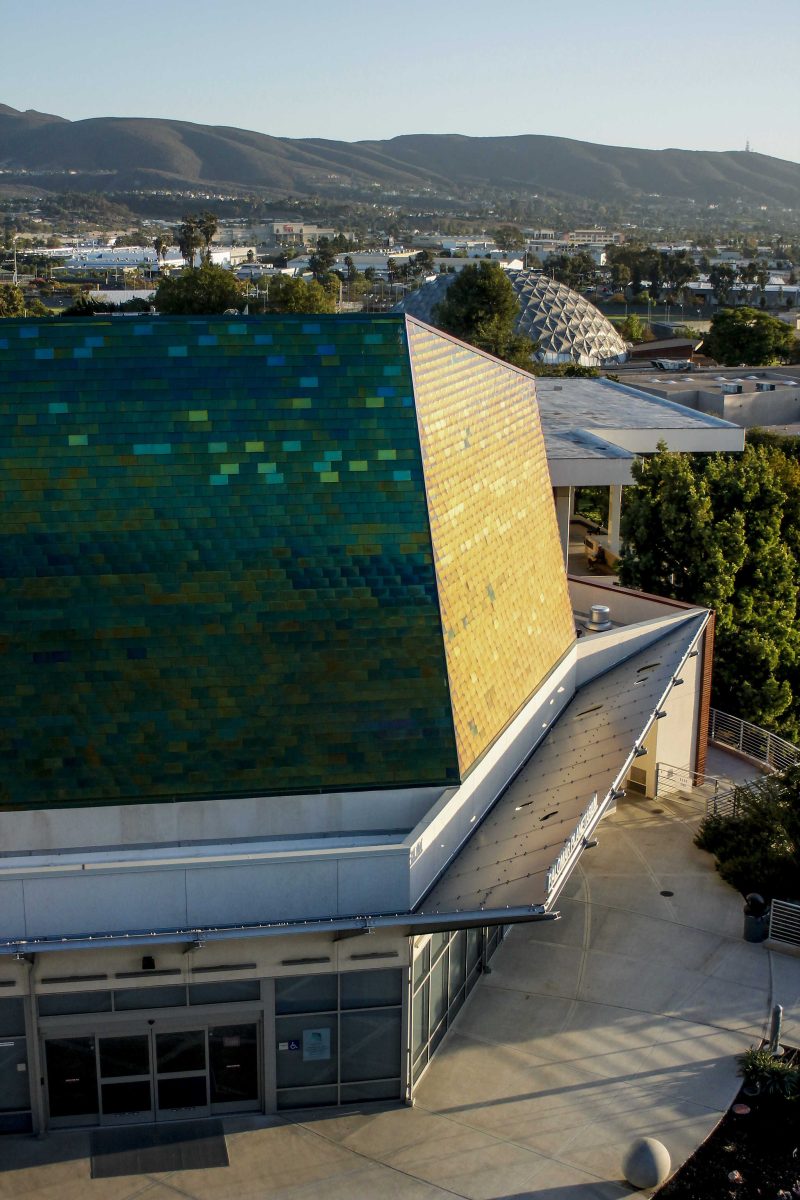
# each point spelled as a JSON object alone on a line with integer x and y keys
{"x": 404, "y": 923}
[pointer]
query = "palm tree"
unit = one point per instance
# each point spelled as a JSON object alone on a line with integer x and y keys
{"x": 189, "y": 239}
{"x": 207, "y": 226}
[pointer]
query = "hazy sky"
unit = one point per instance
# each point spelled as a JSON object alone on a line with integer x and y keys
{"x": 700, "y": 74}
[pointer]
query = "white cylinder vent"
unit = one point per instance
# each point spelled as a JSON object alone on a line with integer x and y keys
{"x": 599, "y": 618}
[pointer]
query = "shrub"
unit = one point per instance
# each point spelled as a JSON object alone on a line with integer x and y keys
{"x": 769, "y": 1076}
{"x": 758, "y": 849}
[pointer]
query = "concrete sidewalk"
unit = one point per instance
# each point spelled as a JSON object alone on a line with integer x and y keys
{"x": 621, "y": 1019}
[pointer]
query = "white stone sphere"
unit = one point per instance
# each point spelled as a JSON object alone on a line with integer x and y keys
{"x": 646, "y": 1163}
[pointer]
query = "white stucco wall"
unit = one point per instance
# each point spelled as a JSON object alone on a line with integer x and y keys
{"x": 187, "y": 821}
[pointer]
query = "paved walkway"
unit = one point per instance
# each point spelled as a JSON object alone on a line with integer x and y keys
{"x": 619, "y": 1020}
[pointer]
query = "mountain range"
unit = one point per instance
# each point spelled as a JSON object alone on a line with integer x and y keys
{"x": 115, "y": 153}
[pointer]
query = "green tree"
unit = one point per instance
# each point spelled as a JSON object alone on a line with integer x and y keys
{"x": 633, "y": 329}
{"x": 207, "y": 226}
{"x": 14, "y": 303}
{"x": 509, "y": 237}
{"x": 161, "y": 245}
{"x": 722, "y": 278}
{"x": 189, "y": 239}
{"x": 203, "y": 289}
{"x": 709, "y": 530}
{"x": 481, "y": 308}
{"x": 321, "y": 261}
{"x": 758, "y": 847}
{"x": 748, "y": 337}
{"x": 284, "y": 293}
{"x": 575, "y": 270}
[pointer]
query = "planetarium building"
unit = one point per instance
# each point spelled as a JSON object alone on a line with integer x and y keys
{"x": 295, "y": 723}
{"x": 566, "y": 326}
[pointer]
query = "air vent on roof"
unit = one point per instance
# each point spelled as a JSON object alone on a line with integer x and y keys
{"x": 599, "y": 618}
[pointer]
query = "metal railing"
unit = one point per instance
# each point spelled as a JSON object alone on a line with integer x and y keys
{"x": 784, "y": 923}
{"x": 720, "y": 794}
{"x": 723, "y": 803}
{"x": 731, "y": 733}
{"x": 678, "y": 781}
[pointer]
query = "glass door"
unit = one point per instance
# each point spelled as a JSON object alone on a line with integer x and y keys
{"x": 181, "y": 1069}
{"x": 72, "y": 1081}
{"x": 233, "y": 1068}
{"x": 126, "y": 1093}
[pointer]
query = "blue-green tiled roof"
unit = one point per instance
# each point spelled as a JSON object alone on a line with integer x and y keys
{"x": 217, "y": 575}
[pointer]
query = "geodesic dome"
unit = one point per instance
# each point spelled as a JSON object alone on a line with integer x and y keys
{"x": 567, "y": 326}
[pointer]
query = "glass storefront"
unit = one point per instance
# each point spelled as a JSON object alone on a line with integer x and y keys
{"x": 171, "y": 1052}
{"x": 339, "y": 1038}
{"x": 445, "y": 969}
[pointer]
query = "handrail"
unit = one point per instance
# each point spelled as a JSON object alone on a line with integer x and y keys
{"x": 763, "y": 747}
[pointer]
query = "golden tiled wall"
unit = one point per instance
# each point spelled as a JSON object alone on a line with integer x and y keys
{"x": 503, "y": 596}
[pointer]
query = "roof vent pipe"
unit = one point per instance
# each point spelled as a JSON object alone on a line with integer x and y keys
{"x": 599, "y": 618}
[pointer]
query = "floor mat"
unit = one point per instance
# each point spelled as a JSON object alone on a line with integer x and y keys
{"x": 153, "y": 1149}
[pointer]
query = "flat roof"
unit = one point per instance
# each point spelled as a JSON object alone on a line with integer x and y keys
{"x": 593, "y": 428}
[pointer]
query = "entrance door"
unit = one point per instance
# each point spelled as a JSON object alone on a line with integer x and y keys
{"x": 142, "y": 1074}
{"x": 181, "y": 1071}
{"x": 233, "y": 1068}
{"x": 126, "y": 1092}
{"x": 72, "y": 1081}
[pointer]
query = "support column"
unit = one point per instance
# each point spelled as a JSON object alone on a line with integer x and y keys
{"x": 614, "y": 514}
{"x": 564, "y": 500}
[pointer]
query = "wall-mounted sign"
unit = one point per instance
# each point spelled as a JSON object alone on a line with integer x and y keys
{"x": 316, "y": 1045}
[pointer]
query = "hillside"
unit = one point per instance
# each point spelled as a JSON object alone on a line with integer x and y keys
{"x": 114, "y": 152}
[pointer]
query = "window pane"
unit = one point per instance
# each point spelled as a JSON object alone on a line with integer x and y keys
{"x": 371, "y": 989}
{"x": 224, "y": 993}
{"x": 126, "y": 1097}
{"x": 370, "y": 1045}
{"x": 420, "y": 1065}
{"x": 313, "y": 1097}
{"x": 154, "y": 997}
{"x": 71, "y": 1077}
{"x": 74, "y": 1002}
{"x": 438, "y": 943}
{"x": 422, "y": 963}
{"x": 181, "y": 1051}
{"x": 456, "y": 1002}
{"x": 14, "y": 1092}
{"x": 438, "y": 991}
{"x": 183, "y": 1092}
{"x": 458, "y": 952}
{"x": 12, "y": 1017}
{"x": 306, "y": 993}
{"x": 473, "y": 948}
{"x": 124, "y": 1056}
{"x": 233, "y": 1063}
{"x": 387, "y": 1089}
{"x": 419, "y": 1023}
{"x": 307, "y": 1050}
